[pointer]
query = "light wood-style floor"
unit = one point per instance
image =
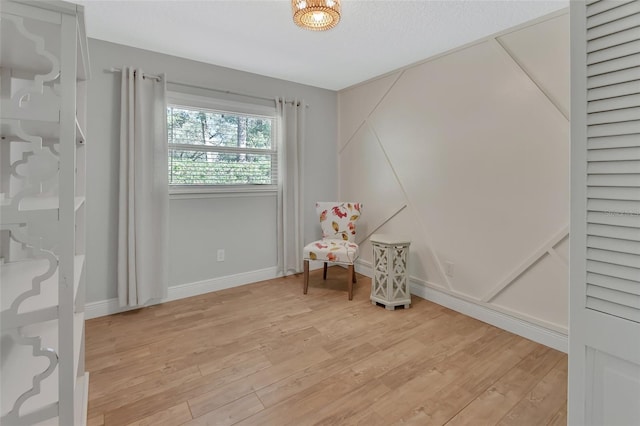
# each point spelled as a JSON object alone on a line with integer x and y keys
{"x": 264, "y": 354}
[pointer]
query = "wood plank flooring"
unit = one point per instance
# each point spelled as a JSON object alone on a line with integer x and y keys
{"x": 265, "y": 354}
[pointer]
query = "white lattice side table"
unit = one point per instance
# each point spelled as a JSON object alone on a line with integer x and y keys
{"x": 390, "y": 284}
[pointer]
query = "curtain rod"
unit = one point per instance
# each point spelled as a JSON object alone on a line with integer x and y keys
{"x": 228, "y": 92}
{"x": 144, "y": 75}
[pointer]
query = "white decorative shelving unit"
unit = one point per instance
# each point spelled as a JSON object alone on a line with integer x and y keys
{"x": 44, "y": 66}
{"x": 390, "y": 284}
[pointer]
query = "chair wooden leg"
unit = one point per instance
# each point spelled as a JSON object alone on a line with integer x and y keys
{"x": 306, "y": 277}
{"x": 350, "y": 281}
{"x": 324, "y": 272}
{"x": 354, "y": 274}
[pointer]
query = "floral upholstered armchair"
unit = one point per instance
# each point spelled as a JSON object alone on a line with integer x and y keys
{"x": 337, "y": 245}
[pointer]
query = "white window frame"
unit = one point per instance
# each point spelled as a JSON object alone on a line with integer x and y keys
{"x": 188, "y": 100}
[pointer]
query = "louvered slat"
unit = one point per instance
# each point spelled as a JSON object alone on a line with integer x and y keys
{"x": 625, "y": 179}
{"x": 612, "y": 244}
{"x": 611, "y": 270}
{"x": 604, "y": 5}
{"x": 612, "y": 40}
{"x": 607, "y": 92}
{"x": 613, "y": 14}
{"x": 608, "y": 142}
{"x": 615, "y": 116}
{"x": 612, "y": 65}
{"x": 614, "y": 296}
{"x": 611, "y": 218}
{"x": 615, "y": 309}
{"x": 614, "y": 154}
{"x": 616, "y": 77}
{"x": 624, "y": 128}
{"x": 596, "y": 205}
{"x": 611, "y": 193}
{"x": 620, "y": 102}
{"x": 614, "y": 167}
{"x": 616, "y": 26}
{"x": 615, "y": 52}
{"x": 617, "y": 232}
{"x": 625, "y": 286}
{"x": 616, "y": 258}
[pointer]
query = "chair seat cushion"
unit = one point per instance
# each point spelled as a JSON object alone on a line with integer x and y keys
{"x": 328, "y": 250}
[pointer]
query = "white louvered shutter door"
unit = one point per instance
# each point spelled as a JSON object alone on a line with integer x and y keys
{"x": 613, "y": 158}
{"x": 604, "y": 356}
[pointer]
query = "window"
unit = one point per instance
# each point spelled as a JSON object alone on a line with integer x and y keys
{"x": 220, "y": 145}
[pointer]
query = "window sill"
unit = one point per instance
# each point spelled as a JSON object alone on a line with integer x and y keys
{"x": 217, "y": 192}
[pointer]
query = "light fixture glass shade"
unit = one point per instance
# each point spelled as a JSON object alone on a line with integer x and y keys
{"x": 316, "y": 15}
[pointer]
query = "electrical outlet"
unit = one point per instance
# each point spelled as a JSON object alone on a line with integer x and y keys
{"x": 448, "y": 268}
{"x": 220, "y": 255}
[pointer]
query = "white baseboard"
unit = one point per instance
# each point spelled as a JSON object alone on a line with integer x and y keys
{"x": 181, "y": 291}
{"x": 526, "y": 329}
{"x": 102, "y": 308}
{"x": 201, "y": 287}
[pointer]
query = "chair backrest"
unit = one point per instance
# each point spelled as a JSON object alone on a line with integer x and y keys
{"x": 338, "y": 219}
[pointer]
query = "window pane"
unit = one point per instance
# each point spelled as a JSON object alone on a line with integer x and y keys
{"x": 219, "y": 168}
{"x": 230, "y": 164}
{"x": 194, "y": 127}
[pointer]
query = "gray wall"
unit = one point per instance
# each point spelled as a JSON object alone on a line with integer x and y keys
{"x": 243, "y": 225}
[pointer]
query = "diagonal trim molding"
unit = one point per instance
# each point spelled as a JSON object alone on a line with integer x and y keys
{"x": 400, "y": 74}
{"x": 406, "y": 197}
{"x": 540, "y": 87}
{"x": 546, "y": 248}
{"x": 556, "y": 256}
{"x": 404, "y": 206}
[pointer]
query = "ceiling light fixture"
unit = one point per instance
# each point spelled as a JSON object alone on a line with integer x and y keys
{"x": 316, "y": 15}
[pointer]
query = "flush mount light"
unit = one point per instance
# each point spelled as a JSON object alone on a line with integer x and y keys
{"x": 316, "y": 15}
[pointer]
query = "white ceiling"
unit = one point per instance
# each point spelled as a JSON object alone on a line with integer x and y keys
{"x": 259, "y": 36}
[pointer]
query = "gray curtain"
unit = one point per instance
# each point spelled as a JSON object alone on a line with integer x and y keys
{"x": 291, "y": 135}
{"x": 144, "y": 191}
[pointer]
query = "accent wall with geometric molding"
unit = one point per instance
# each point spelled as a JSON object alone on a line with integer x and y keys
{"x": 468, "y": 154}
